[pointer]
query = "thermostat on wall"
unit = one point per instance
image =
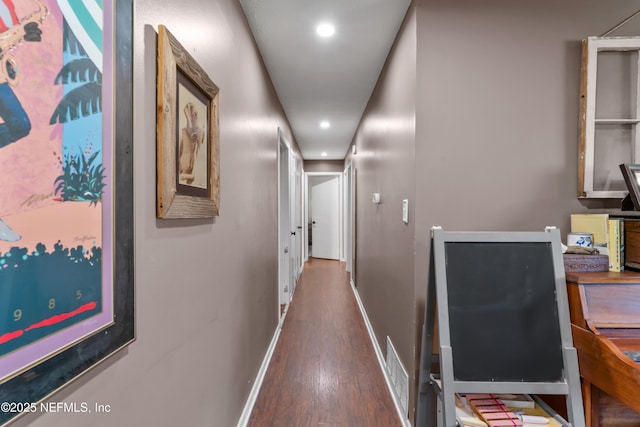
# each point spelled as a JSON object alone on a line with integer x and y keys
{"x": 376, "y": 198}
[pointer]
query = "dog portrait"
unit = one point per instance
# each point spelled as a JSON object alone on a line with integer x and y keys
{"x": 192, "y": 144}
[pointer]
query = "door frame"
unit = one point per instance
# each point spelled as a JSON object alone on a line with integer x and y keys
{"x": 307, "y": 175}
{"x": 348, "y": 217}
{"x": 296, "y": 172}
{"x": 285, "y": 293}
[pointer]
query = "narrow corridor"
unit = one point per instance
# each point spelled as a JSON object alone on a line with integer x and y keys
{"x": 324, "y": 370}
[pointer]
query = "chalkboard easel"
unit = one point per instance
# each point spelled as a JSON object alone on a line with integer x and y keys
{"x": 503, "y": 321}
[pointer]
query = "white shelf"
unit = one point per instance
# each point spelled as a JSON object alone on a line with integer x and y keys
{"x": 617, "y": 121}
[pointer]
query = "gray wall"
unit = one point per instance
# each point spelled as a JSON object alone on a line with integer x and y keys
{"x": 206, "y": 291}
{"x": 385, "y": 164}
{"x": 494, "y": 86}
{"x": 323, "y": 166}
{"x": 498, "y": 110}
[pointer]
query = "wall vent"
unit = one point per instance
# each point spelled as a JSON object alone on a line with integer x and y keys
{"x": 398, "y": 377}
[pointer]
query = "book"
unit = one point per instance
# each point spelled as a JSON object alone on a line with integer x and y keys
{"x": 595, "y": 224}
{"x": 616, "y": 244}
{"x": 518, "y": 401}
{"x": 492, "y": 400}
{"x": 468, "y": 421}
{"x": 505, "y": 423}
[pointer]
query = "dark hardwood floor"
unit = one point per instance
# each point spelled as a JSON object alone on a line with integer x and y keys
{"x": 324, "y": 370}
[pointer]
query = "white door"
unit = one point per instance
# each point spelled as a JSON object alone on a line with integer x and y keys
{"x": 300, "y": 228}
{"x": 347, "y": 217}
{"x": 284, "y": 223}
{"x": 325, "y": 219}
{"x": 295, "y": 223}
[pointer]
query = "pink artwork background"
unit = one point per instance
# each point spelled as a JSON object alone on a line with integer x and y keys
{"x": 29, "y": 167}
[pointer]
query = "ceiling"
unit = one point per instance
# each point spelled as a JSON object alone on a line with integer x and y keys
{"x": 324, "y": 79}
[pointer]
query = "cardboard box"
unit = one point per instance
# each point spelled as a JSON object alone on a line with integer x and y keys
{"x": 577, "y": 262}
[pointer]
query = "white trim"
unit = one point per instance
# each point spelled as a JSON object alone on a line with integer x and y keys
{"x": 347, "y": 217}
{"x": 403, "y": 417}
{"x": 343, "y": 218}
{"x": 304, "y": 256}
{"x": 255, "y": 390}
{"x": 615, "y": 43}
{"x": 283, "y": 297}
{"x": 305, "y": 216}
{"x": 295, "y": 220}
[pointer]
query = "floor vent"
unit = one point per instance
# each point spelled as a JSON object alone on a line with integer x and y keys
{"x": 398, "y": 376}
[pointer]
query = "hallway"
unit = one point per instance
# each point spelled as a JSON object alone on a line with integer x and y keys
{"x": 324, "y": 371}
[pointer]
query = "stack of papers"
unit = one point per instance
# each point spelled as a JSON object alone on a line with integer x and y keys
{"x": 501, "y": 410}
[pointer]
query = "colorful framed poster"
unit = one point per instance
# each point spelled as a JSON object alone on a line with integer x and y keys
{"x": 66, "y": 246}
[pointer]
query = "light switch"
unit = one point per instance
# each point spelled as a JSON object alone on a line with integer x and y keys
{"x": 376, "y": 198}
{"x": 405, "y": 211}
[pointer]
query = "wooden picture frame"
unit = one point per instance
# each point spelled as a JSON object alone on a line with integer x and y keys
{"x": 631, "y": 174}
{"x": 45, "y": 365}
{"x": 188, "y": 144}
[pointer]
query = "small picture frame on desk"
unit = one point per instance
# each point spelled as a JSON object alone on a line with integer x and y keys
{"x": 631, "y": 174}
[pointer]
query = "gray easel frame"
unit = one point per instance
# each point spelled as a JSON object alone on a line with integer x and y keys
{"x": 444, "y": 387}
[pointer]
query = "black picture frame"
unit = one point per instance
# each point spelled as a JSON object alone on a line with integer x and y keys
{"x": 41, "y": 380}
{"x": 631, "y": 174}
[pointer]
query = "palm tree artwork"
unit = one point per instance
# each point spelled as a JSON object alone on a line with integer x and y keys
{"x": 80, "y": 110}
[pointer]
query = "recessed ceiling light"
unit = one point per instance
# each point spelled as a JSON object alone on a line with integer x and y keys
{"x": 324, "y": 154}
{"x": 325, "y": 29}
{"x": 325, "y": 124}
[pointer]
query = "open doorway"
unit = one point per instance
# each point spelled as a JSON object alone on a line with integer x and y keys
{"x": 323, "y": 214}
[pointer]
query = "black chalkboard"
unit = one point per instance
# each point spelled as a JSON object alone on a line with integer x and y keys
{"x": 503, "y": 322}
{"x": 503, "y": 313}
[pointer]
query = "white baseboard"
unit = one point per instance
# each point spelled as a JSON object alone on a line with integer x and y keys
{"x": 403, "y": 417}
{"x": 253, "y": 396}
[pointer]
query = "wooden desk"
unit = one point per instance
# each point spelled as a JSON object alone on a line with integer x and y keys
{"x": 605, "y": 321}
